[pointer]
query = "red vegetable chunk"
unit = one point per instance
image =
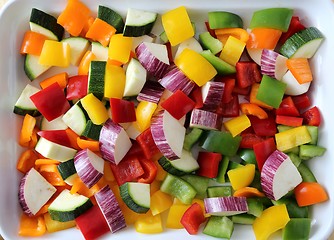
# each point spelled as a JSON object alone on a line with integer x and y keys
{"x": 312, "y": 116}
{"x": 263, "y": 150}
{"x": 287, "y": 108}
{"x": 193, "y": 218}
{"x": 147, "y": 144}
{"x": 247, "y": 74}
{"x": 122, "y": 111}
{"x": 57, "y": 136}
{"x": 76, "y": 87}
{"x": 208, "y": 164}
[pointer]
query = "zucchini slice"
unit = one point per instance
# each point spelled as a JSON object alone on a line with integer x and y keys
{"x": 67, "y": 171}
{"x": 76, "y": 118}
{"x": 111, "y": 17}
{"x": 96, "y": 75}
{"x": 24, "y": 105}
{"x": 32, "y": 68}
{"x": 78, "y": 47}
{"x": 136, "y": 196}
{"x": 139, "y": 22}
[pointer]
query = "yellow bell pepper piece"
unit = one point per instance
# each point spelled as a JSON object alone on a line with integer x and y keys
{"x": 237, "y": 125}
{"x": 155, "y": 186}
{"x": 175, "y": 214}
{"x": 95, "y": 109}
{"x": 232, "y": 50}
{"x": 242, "y": 176}
{"x": 130, "y": 216}
{"x": 271, "y": 220}
{"x": 160, "y": 202}
{"x": 177, "y": 25}
{"x": 161, "y": 173}
{"x": 195, "y": 67}
{"x": 55, "y": 54}
{"x": 120, "y": 48}
{"x": 149, "y": 224}
{"x": 144, "y": 112}
{"x": 292, "y": 138}
{"x": 54, "y": 226}
{"x": 114, "y": 81}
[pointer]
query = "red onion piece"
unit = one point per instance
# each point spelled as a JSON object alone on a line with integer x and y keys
{"x": 225, "y": 206}
{"x": 212, "y": 93}
{"x": 205, "y": 120}
{"x": 151, "y": 92}
{"x": 268, "y": 62}
{"x": 89, "y": 167}
{"x": 114, "y": 142}
{"x": 110, "y": 209}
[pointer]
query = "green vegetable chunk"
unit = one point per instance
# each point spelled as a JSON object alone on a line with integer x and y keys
{"x": 271, "y": 91}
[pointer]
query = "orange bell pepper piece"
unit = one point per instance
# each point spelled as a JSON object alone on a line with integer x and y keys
{"x": 74, "y": 17}
{"x": 248, "y": 192}
{"x": 73, "y": 138}
{"x": 239, "y": 33}
{"x": 101, "y": 31}
{"x": 45, "y": 161}
{"x": 84, "y": 64}
{"x": 300, "y": 69}
{"x": 32, "y": 43}
{"x": 86, "y": 27}
{"x": 32, "y": 226}
{"x": 60, "y": 78}
{"x": 26, "y": 161}
{"x": 263, "y": 38}
{"x": 107, "y": 172}
{"x": 27, "y": 130}
{"x": 309, "y": 193}
{"x": 253, "y": 109}
{"x": 51, "y": 174}
{"x": 90, "y": 144}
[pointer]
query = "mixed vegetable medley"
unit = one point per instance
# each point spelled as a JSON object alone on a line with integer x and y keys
{"x": 211, "y": 129}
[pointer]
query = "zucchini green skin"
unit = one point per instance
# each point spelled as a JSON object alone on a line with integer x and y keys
{"x": 22, "y": 111}
{"x": 96, "y": 78}
{"x": 47, "y": 21}
{"x": 92, "y": 130}
{"x": 66, "y": 169}
{"x": 65, "y": 216}
{"x": 111, "y": 17}
{"x": 137, "y": 31}
{"x": 168, "y": 167}
{"x": 129, "y": 201}
{"x": 138, "y": 26}
{"x": 222, "y": 67}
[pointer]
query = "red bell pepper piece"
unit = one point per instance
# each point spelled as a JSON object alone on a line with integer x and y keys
{"x": 57, "y": 136}
{"x": 230, "y": 109}
{"x": 228, "y": 90}
{"x": 240, "y": 90}
{"x": 287, "y": 108}
{"x": 129, "y": 169}
{"x": 150, "y": 170}
{"x": 196, "y": 96}
{"x": 312, "y": 116}
{"x": 249, "y": 139}
{"x": 247, "y": 74}
{"x": 147, "y": 144}
{"x": 76, "y": 87}
{"x": 122, "y": 111}
{"x": 301, "y": 101}
{"x": 169, "y": 52}
{"x": 289, "y": 121}
{"x": 263, "y": 127}
{"x": 192, "y": 218}
{"x": 295, "y": 26}
{"x": 211, "y": 31}
{"x": 135, "y": 150}
{"x": 208, "y": 164}
{"x": 178, "y": 104}
{"x": 92, "y": 223}
{"x": 262, "y": 151}
{"x": 51, "y": 101}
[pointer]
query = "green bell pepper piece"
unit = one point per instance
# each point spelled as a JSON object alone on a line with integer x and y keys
{"x": 306, "y": 173}
{"x": 219, "y": 191}
{"x": 271, "y": 91}
{"x": 221, "y": 19}
{"x": 247, "y": 155}
{"x": 297, "y": 228}
{"x": 191, "y": 138}
{"x": 221, "y": 227}
{"x": 222, "y": 169}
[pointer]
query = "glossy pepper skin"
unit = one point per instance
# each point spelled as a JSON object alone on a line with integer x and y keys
{"x": 193, "y": 218}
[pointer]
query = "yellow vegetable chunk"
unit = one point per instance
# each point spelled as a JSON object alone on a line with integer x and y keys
{"x": 55, "y": 53}
{"x": 120, "y": 48}
{"x": 195, "y": 67}
{"x": 144, "y": 112}
{"x": 175, "y": 214}
{"x": 242, "y": 176}
{"x": 160, "y": 202}
{"x": 149, "y": 224}
{"x": 114, "y": 81}
{"x": 95, "y": 109}
{"x": 271, "y": 220}
{"x": 232, "y": 50}
{"x": 237, "y": 125}
{"x": 177, "y": 25}
{"x": 292, "y": 138}
{"x": 55, "y": 226}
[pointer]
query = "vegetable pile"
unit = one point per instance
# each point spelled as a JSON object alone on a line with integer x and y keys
{"x": 212, "y": 129}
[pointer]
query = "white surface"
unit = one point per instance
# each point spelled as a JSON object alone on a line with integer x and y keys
{"x": 14, "y": 21}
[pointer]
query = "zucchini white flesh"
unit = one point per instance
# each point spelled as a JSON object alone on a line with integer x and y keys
{"x": 293, "y": 87}
{"x": 111, "y": 17}
{"x": 279, "y": 175}
{"x": 67, "y": 171}
{"x": 32, "y": 68}
{"x": 168, "y": 134}
{"x": 190, "y": 43}
{"x": 67, "y": 206}
{"x": 75, "y": 118}
{"x": 89, "y": 167}
{"x": 54, "y": 151}
{"x": 139, "y": 22}
{"x": 55, "y": 124}
{"x": 34, "y": 192}
{"x": 45, "y": 24}
{"x": 114, "y": 142}
{"x": 96, "y": 76}
{"x": 24, "y": 105}
{"x": 225, "y": 206}
{"x": 302, "y": 44}
{"x": 186, "y": 164}
{"x": 135, "y": 78}
{"x": 78, "y": 46}
{"x": 136, "y": 196}
{"x": 138, "y": 40}
{"x": 100, "y": 52}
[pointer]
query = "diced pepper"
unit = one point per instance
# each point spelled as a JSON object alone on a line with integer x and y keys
{"x": 312, "y": 116}
{"x": 248, "y": 192}
{"x": 122, "y": 111}
{"x": 114, "y": 82}
{"x": 287, "y": 108}
{"x": 175, "y": 214}
{"x": 232, "y": 50}
{"x": 100, "y": 31}
{"x": 160, "y": 202}
{"x": 301, "y": 101}
{"x": 253, "y": 98}
{"x": 27, "y": 130}
{"x": 200, "y": 75}
{"x": 295, "y": 26}
{"x": 55, "y": 54}
{"x": 32, "y": 43}
{"x": 196, "y": 96}
{"x": 247, "y": 73}
{"x": 92, "y": 145}
{"x": 230, "y": 109}
{"x": 271, "y": 220}
{"x": 300, "y": 69}
{"x": 249, "y": 139}
{"x": 55, "y": 226}
{"x": 210, "y": 30}
{"x": 150, "y": 170}
{"x": 289, "y": 121}
{"x": 297, "y": 228}
{"x": 264, "y": 127}
{"x": 193, "y": 218}
{"x": 129, "y": 215}
{"x": 237, "y": 125}
{"x": 144, "y": 113}
{"x": 51, "y": 101}
{"x": 95, "y": 109}
{"x": 76, "y": 87}
{"x": 60, "y": 78}
{"x": 149, "y": 224}
{"x": 253, "y": 109}
{"x": 228, "y": 90}
{"x": 86, "y": 27}
{"x": 309, "y": 193}
{"x": 147, "y": 144}
{"x": 120, "y": 48}
{"x": 155, "y": 185}
{"x": 26, "y": 161}
{"x": 292, "y": 138}
{"x": 173, "y": 106}
{"x": 161, "y": 173}
{"x": 84, "y": 64}
{"x": 177, "y": 25}
{"x": 263, "y": 38}
{"x": 208, "y": 164}
{"x": 263, "y": 150}
{"x": 242, "y": 176}
{"x": 51, "y": 174}
{"x": 32, "y": 226}
{"x": 224, "y": 33}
